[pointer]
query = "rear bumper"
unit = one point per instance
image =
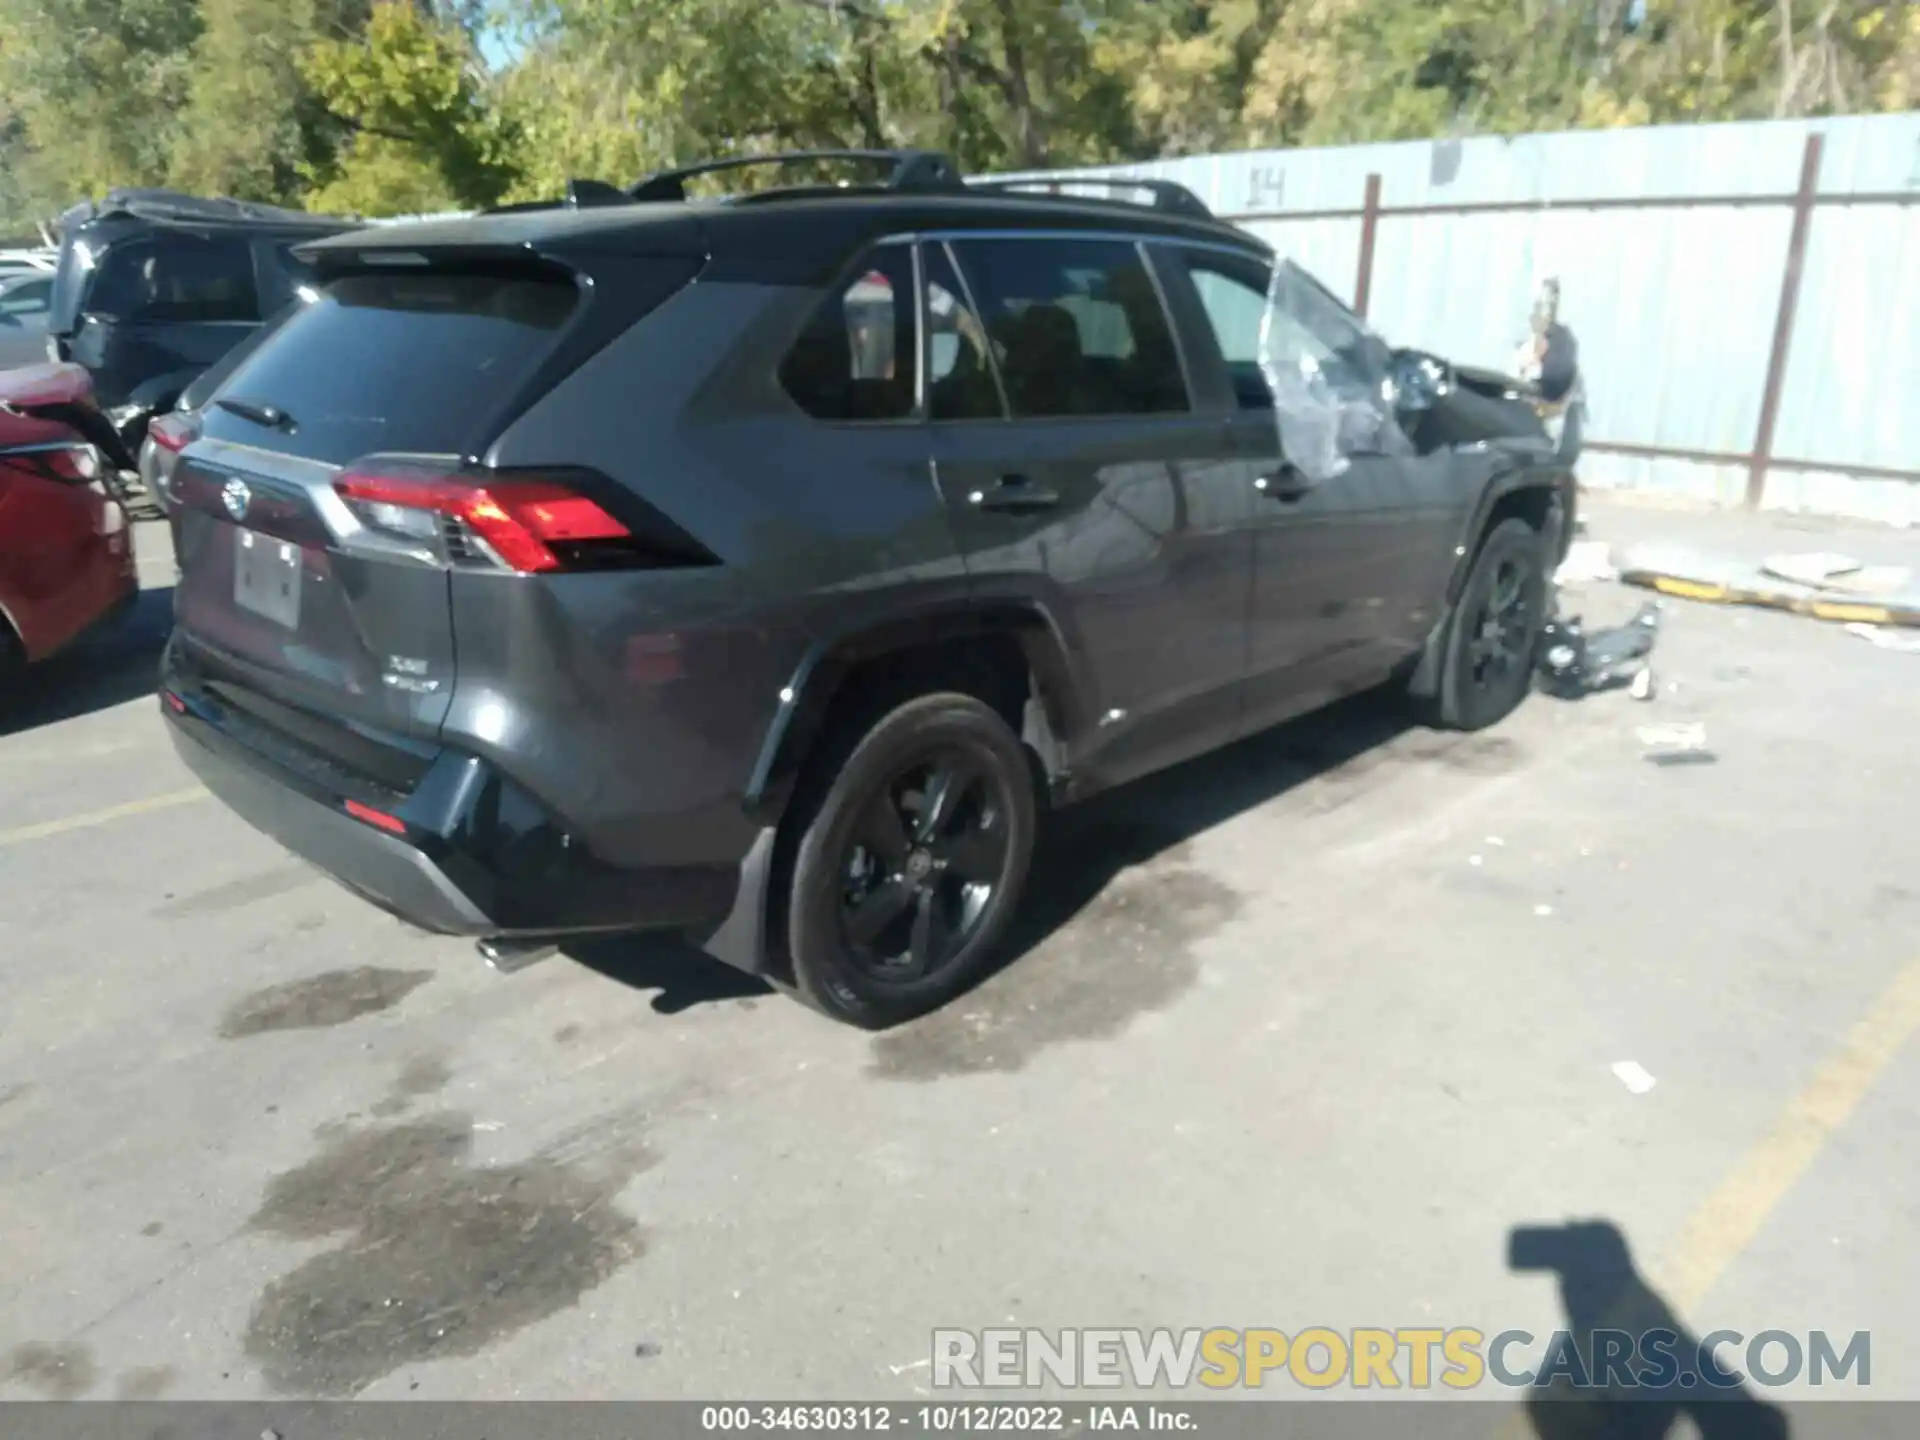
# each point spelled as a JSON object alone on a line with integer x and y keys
{"x": 464, "y": 852}
{"x": 385, "y": 869}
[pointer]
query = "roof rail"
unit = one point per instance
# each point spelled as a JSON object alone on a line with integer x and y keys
{"x": 1167, "y": 195}
{"x": 907, "y": 170}
{"x": 581, "y": 195}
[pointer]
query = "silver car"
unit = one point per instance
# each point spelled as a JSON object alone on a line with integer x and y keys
{"x": 25, "y": 300}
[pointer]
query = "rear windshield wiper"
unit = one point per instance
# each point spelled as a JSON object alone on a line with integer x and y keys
{"x": 271, "y": 416}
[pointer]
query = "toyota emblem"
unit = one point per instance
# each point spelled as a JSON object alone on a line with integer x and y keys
{"x": 236, "y": 497}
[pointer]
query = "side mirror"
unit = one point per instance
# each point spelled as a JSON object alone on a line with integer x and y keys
{"x": 1417, "y": 381}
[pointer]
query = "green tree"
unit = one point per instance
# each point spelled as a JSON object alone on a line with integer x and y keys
{"x": 424, "y": 134}
{"x": 253, "y": 126}
{"x": 95, "y": 88}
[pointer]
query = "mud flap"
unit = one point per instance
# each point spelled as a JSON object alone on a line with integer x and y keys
{"x": 1424, "y": 684}
{"x": 743, "y": 938}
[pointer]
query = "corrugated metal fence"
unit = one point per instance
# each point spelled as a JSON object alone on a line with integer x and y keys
{"x": 1745, "y": 296}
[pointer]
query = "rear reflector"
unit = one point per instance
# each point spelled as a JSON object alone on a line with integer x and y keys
{"x": 379, "y": 819}
{"x": 174, "y": 702}
{"x": 529, "y": 525}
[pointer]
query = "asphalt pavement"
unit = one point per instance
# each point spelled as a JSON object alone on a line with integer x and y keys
{"x": 1297, "y": 1035}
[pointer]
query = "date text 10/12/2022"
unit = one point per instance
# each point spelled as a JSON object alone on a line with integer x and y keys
{"x": 959, "y": 1418}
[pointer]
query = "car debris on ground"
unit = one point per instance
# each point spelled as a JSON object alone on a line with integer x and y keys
{"x": 1676, "y": 744}
{"x": 1633, "y": 1075}
{"x": 1885, "y": 638}
{"x": 1822, "y": 570}
{"x": 1587, "y": 561}
{"x": 1574, "y": 662}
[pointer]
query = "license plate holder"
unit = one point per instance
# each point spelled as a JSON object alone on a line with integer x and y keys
{"x": 266, "y": 577}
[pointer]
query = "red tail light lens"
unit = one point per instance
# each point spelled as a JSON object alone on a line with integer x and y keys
{"x": 379, "y": 819}
{"x": 527, "y": 525}
{"x": 172, "y": 433}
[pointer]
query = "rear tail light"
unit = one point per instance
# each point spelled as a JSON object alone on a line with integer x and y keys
{"x": 71, "y": 461}
{"x": 172, "y": 433}
{"x": 527, "y": 525}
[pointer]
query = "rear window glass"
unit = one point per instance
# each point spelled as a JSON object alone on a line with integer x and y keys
{"x": 396, "y": 362}
{"x": 175, "y": 278}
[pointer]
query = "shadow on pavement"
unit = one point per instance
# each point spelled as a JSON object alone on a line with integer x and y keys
{"x": 1080, "y": 849}
{"x": 683, "y": 975}
{"x": 1618, "y": 1327}
{"x": 117, "y": 663}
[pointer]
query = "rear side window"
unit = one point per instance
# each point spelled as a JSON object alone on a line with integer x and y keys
{"x": 960, "y": 380}
{"x": 1077, "y": 325}
{"x": 407, "y": 362}
{"x": 173, "y": 277}
{"x": 855, "y": 360}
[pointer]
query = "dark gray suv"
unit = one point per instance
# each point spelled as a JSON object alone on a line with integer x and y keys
{"x": 761, "y": 567}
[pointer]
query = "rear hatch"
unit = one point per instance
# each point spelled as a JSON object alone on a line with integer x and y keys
{"x": 327, "y": 490}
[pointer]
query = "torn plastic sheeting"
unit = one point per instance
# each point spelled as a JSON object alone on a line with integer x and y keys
{"x": 1324, "y": 409}
{"x": 1693, "y": 575}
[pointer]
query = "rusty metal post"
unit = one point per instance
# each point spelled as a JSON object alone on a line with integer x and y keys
{"x": 1803, "y": 201}
{"x": 1369, "y": 225}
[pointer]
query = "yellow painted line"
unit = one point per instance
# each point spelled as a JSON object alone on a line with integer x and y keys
{"x": 1728, "y": 1219}
{"x": 1725, "y": 1223}
{"x": 91, "y": 818}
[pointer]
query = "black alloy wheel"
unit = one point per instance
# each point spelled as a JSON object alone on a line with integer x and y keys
{"x": 1495, "y": 630}
{"x": 1501, "y": 635}
{"x": 921, "y": 866}
{"x": 911, "y": 861}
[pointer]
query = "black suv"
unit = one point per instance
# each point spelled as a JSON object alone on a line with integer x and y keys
{"x": 760, "y": 567}
{"x": 153, "y": 286}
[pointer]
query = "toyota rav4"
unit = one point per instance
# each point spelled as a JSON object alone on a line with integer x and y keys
{"x": 762, "y": 566}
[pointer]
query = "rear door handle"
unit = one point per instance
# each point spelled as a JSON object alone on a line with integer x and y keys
{"x": 1015, "y": 494}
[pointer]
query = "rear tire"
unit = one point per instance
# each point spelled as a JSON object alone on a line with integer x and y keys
{"x": 911, "y": 861}
{"x": 1487, "y": 667}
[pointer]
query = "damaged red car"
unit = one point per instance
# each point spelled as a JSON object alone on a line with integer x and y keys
{"x": 66, "y": 545}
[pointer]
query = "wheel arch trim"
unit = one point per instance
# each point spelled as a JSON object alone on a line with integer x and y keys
{"x": 1512, "y": 480}
{"x": 823, "y": 671}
